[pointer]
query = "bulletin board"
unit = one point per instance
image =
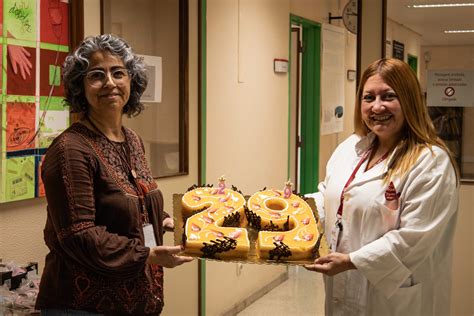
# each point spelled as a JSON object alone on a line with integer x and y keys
{"x": 34, "y": 43}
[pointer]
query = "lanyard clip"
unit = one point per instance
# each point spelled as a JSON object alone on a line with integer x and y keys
{"x": 339, "y": 222}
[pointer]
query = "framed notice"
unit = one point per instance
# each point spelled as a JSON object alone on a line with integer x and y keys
{"x": 450, "y": 87}
{"x": 34, "y": 41}
{"x": 398, "y": 50}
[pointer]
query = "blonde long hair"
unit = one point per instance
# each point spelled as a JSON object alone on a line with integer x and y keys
{"x": 419, "y": 129}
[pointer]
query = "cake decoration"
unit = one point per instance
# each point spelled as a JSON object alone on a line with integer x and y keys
{"x": 215, "y": 229}
{"x": 210, "y": 250}
{"x": 280, "y": 251}
{"x": 275, "y": 225}
{"x": 283, "y": 219}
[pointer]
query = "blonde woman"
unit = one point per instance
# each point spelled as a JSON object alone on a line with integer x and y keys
{"x": 389, "y": 202}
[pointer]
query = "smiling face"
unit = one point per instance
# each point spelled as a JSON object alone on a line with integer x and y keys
{"x": 381, "y": 110}
{"x": 109, "y": 97}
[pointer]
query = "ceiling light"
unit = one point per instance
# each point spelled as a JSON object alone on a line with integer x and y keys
{"x": 440, "y": 5}
{"x": 458, "y": 31}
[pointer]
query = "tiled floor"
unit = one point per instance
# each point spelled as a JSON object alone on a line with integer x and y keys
{"x": 302, "y": 294}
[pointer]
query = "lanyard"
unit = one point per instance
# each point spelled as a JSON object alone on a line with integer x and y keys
{"x": 124, "y": 155}
{"x": 351, "y": 178}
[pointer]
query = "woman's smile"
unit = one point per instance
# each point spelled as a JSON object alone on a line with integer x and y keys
{"x": 381, "y": 110}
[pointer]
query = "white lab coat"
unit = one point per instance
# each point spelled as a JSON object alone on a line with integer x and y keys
{"x": 403, "y": 257}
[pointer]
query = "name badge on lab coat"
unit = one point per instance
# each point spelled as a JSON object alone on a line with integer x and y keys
{"x": 335, "y": 235}
{"x": 149, "y": 235}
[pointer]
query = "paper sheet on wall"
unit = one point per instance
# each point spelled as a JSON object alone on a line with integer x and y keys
{"x": 153, "y": 70}
{"x": 450, "y": 87}
{"x": 332, "y": 79}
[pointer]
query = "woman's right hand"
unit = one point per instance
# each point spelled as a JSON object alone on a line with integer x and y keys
{"x": 167, "y": 256}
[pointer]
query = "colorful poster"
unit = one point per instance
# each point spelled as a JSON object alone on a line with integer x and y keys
{"x": 34, "y": 41}
{"x": 20, "y": 19}
{"x": 20, "y": 178}
{"x": 54, "y": 119}
{"x": 20, "y": 129}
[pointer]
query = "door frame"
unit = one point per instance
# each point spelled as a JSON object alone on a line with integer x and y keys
{"x": 310, "y": 103}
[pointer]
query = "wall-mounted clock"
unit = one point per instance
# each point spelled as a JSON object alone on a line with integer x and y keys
{"x": 349, "y": 16}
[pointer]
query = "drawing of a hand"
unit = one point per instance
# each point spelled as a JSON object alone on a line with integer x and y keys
{"x": 19, "y": 59}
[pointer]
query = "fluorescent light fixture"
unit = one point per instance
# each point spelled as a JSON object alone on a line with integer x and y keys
{"x": 458, "y": 31}
{"x": 441, "y": 5}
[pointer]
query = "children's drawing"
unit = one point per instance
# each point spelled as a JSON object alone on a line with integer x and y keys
{"x": 34, "y": 41}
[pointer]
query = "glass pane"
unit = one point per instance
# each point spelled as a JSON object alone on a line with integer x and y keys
{"x": 158, "y": 30}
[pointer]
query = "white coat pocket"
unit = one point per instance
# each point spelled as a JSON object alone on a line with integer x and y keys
{"x": 380, "y": 219}
{"x": 405, "y": 301}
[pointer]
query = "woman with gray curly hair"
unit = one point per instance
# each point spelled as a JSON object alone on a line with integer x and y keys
{"x": 105, "y": 220}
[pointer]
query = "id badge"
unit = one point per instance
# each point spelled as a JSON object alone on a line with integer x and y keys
{"x": 335, "y": 235}
{"x": 149, "y": 235}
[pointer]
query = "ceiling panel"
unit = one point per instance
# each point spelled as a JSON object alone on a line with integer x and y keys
{"x": 431, "y": 22}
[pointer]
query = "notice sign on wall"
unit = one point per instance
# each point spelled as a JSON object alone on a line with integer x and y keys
{"x": 398, "y": 50}
{"x": 450, "y": 88}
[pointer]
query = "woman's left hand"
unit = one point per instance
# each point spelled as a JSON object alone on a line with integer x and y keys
{"x": 168, "y": 224}
{"x": 332, "y": 264}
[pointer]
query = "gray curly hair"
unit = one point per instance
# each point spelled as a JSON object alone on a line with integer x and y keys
{"x": 76, "y": 64}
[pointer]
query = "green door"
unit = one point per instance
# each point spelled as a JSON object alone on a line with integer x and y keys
{"x": 413, "y": 62}
{"x": 310, "y": 105}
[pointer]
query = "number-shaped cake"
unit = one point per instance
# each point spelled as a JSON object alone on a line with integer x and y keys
{"x": 288, "y": 228}
{"x": 214, "y": 230}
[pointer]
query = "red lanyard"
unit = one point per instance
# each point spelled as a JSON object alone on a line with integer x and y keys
{"x": 351, "y": 178}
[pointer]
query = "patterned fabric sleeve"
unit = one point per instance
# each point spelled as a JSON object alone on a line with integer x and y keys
{"x": 68, "y": 173}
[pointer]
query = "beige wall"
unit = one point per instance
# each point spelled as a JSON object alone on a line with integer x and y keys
{"x": 462, "y": 294}
{"x": 458, "y": 57}
{"x": 247, "y": 119}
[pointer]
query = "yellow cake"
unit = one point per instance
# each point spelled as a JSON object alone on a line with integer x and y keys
{"x": 288, "y": 228}
{"x": 205, "y": 231}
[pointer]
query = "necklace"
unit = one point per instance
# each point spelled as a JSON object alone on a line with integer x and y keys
{"x": 125, "y": 158}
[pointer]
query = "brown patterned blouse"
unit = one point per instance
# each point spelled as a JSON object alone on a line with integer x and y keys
{"x": 94, "y": 229}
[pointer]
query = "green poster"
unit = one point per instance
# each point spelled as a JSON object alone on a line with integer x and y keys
{"x": 20, "y": 19}
{"x": 20, "y": 178}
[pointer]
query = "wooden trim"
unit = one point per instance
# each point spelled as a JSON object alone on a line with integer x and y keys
{"x": 359, "y": 43}
{"x": 76, "y": 35}
{"x": 201, "y": 134}
{"x": 384, "y": 28}
{"x": 201, "y": 90}
{"x": 183, "y": 86}
{"x": 76, "y": 23}
{"x": 101, "y": 16}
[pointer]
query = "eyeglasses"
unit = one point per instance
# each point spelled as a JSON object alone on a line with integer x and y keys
{"x": 98, "y": 78}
